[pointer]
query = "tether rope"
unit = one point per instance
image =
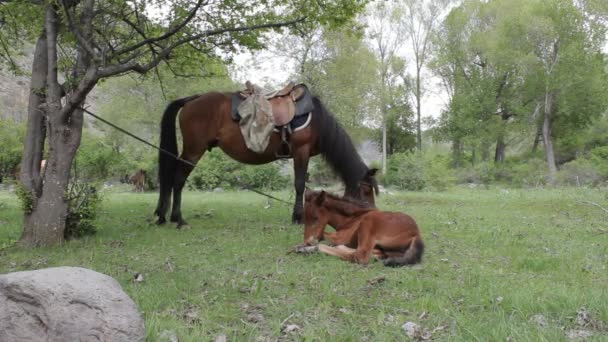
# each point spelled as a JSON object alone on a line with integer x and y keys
{"x": 176, "y": 157}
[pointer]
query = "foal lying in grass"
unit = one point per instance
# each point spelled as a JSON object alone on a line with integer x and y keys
{"x": 361, "y": 230}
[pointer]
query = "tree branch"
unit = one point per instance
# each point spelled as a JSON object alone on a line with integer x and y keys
{"x": 164, "y": 36}
{"x": 81, "y": 40}
{"x": 139, "y": 68}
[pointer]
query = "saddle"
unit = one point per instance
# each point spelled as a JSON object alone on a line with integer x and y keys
{"x": 283, "y": 106}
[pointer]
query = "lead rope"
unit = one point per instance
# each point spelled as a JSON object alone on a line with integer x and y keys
{"x": 162, "y": 150}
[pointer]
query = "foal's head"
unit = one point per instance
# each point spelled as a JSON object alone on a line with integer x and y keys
{"x": 315, "y": 216}
{"x": 321, "y": 208}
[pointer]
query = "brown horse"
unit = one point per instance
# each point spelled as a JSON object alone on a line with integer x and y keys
{"x": 206, "y": 121}
{"x": 361, "y": 230}
{"x": 139, "y": 180}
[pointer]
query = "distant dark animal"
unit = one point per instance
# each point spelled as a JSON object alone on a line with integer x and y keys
{"x": 208, "y": 120}
{"x": 139, "y": 180}
{"x": 361, "y": 230}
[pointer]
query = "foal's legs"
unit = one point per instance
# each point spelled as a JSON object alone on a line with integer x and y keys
{"x": 300, "y": 166}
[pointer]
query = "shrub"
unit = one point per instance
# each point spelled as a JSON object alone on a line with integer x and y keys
{"x": 405, "y": 171}
{"x": 217, "y": 170}
{"x": 599, "y": 159}
{"x": 480, "y": 173}
{"x": 83, "y": 206}
{"x": 579, "y": 172}
{"x": 11, "y": 140}
{"x": 437, "y": 172}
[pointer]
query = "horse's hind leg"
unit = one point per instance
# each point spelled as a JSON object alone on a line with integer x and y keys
{"x": 181, "y": 174}
{"x": 300, "y": 165}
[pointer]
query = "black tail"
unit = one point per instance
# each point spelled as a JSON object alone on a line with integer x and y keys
{"x": 412, "y": 255}
{"x": 168, "y": 142}
{"x": 337, "y": 148}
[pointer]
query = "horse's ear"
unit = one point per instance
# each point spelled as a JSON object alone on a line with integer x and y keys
{"x": 372, "y": 172}
{"x": 320, "y": 198}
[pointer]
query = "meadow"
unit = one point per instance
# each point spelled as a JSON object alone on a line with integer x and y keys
{"x": 500, "y": 265}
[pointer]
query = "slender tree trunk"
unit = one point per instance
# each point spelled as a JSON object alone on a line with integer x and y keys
{"x": 33, "y": 145}
{"x": 456, "y": 153}
{"x": 485, "y": 150}
{"x": 547, "y": 140}
{"x": 537, "y": 138}
{"x": 499, "y": 154}
{"x": 418, "y": 113}
{"x": 384, "y": 145}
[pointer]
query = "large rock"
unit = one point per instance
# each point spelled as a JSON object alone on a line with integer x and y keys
{"x": 66, "y": 304}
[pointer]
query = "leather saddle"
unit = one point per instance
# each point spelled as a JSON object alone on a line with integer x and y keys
{"x": 291, "y": 101}
{"x": 287, "y": 103}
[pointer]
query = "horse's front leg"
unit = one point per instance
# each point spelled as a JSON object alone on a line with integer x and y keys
{"x": 300, "y": 166}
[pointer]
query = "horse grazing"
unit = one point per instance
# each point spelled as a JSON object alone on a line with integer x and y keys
{"x": 139, "y": 180}
{"x": 361, "y": 230}
{"x": 207, "y": 121}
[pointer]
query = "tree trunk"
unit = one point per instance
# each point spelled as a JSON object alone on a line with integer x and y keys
{"x": 418, "y": 114}
{"x": 499, "y": 154}
{"x": 33, "y": 145}
{"x": 456, "y": 153}
{"x": 384, "y": 145}
{"x": 537, "y": 138}
{"x": 484, "y": 146}
{"x": 547, "y": 140}
{"x": 45, "y": 224}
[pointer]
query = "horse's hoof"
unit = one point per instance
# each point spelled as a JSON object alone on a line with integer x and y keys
{"x": 182, "y": 225}
{"x": 296, "y": 219}
{"x": 305, "y": 249}
{"x": 160, "y": 221}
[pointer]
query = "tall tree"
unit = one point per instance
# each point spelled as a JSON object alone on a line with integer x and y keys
{"x": 89, "y": 40}
{"x": 567, "y": 46}
{"x": 420, "y": 20}
{"x": 385, "y": 41}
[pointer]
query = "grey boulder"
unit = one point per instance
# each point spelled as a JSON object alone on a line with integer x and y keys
{"x": 66, "y": 304}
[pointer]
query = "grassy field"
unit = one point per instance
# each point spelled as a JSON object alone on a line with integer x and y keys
{"x": 517, "y": 265}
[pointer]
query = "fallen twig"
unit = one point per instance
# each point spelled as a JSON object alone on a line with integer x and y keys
{"x": 594, "y": 204}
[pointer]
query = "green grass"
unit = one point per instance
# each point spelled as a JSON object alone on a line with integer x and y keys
{"x": 543, "y": 251}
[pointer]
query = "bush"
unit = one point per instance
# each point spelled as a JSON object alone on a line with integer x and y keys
{"x": 83, "y": 202}
{"x": 580, "y": 172}
{"x": 217, "y": 170}
{"x": 405, "y": 171}
{"x": 599, "y": 159}
{"x": 437, "y": 172}
{"x": 97, "y": 161}
{"x": 11, "y": 140}
{"x": 480, "y": 173}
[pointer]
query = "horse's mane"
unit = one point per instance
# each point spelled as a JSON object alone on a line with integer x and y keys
{"x": 346, "y": 205}
{"x": 337, "y": 148}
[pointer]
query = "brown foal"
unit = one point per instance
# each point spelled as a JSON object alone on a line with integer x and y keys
{"x": 361, "y": 230}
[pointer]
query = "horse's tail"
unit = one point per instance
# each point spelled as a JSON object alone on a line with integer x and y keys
{"x": 412, "y": 255}
{"x": 168, "y": 142}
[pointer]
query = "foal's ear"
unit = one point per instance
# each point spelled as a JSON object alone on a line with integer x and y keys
{"x": 320, "y": 198}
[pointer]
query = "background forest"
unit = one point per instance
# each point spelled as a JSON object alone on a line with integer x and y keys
{"x": 522, "y": 87}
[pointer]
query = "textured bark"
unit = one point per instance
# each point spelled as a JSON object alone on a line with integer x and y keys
{"x": 45, "y": 224}
{"x": 35, "y": 135}
{"x": 501, "y": 147}
{"x": 418, "y": 111}
{"x": 547, "y": 140}
{"x": 456, "y": 153}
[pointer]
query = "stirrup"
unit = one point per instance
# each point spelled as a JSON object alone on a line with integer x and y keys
{"x": 284, "y": 147}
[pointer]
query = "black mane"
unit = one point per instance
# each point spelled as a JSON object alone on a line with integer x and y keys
{"x": 337, "y": 148}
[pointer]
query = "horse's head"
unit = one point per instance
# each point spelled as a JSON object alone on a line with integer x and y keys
{"x": 315, "y": 217}
{"x": 368, "y": 187}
